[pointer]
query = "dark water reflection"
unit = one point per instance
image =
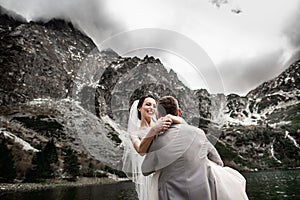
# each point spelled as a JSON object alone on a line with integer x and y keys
{"x": 122, "y": 190}
{"x": 265, "y": 185}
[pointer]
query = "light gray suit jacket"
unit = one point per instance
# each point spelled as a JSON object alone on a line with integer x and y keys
{"x": 181, "y": 154}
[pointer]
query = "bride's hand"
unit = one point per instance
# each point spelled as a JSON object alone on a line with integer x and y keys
{"x": 162, "y": 124}
{"x": 175, "y": 119}
{"x": 167, "y": 121}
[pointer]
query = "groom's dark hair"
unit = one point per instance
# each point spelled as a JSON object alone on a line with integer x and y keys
{"x": 167, "y": 105}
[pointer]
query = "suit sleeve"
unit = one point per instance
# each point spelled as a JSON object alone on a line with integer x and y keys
{"x": 149, "y": 163}
{"x": 213, "y": 154}
{"x": 207, "y": 149}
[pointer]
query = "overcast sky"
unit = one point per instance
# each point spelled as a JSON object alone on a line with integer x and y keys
{"x": 209, "y": 46}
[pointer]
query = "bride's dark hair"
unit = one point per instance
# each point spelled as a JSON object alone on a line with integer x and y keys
{"x": 141, "y": 101}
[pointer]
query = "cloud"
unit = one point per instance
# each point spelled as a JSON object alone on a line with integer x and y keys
{"x": 291, "y": 33}
{"x": 292, "y": 30}
{"x": 242, "y": 75}
{"x": 89, "y": 16}
{"x": 256, "y": 44}
{"x": 13, "y": 14}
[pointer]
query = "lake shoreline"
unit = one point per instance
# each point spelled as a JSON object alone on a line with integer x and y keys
{"x": 48, "y": 184}
{"x": 264, "y": 184}
{"x": 83, "y": 181}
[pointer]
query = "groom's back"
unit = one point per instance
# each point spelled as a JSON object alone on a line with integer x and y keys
{"x": 184, "y": 176}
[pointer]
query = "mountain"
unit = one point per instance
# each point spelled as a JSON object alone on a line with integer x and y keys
{"x": 39, "y": 60}
{"x": 42, "y": 66}
{"x": 287, "y": 81}
{"x": 56, "y": 86}
{"x": 263, "y": 127}
{"x": 126, "y": 79}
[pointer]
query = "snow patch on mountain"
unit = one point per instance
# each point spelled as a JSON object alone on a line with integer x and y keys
{"x": 292, "y": 139}
{"x": 26, "y": 146}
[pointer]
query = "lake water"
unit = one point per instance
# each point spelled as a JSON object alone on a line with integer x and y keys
{"x": 264, "y": 185}
{"x": 267, "y": 185}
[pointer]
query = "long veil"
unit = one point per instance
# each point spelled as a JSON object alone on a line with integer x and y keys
{"x": 132, "y": 161}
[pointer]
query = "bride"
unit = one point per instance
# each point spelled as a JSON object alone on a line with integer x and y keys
{"x": 142, "y": 128}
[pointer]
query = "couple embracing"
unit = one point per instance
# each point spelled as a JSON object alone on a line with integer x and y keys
{"x": 169, "y": 159}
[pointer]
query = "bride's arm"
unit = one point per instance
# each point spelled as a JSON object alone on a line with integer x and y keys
{"x": 162, "y": 124}
{"x": 142, "y": 146}
{"x": 176, "y": 119}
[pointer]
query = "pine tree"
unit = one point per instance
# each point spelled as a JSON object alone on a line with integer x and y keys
{"x": 71, "y": 164}
{"x": 41, "y": 163}
{"x": 7, "y": 168}
{"x": 51, "y": 156}
{"x": 50, "y": 152}
{"x": 32, "y": 175}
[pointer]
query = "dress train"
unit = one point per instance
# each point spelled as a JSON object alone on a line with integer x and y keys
{"x": 229, "y": 183}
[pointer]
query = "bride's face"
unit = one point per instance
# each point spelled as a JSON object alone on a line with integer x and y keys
{"x": 148, "y": 109}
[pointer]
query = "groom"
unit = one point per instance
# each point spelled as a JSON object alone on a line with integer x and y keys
{"x": 180, "y": 155}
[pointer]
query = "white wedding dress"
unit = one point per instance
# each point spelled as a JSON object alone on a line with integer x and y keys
{"x": 146, "y": 186}
{"x": 229, "y": 183}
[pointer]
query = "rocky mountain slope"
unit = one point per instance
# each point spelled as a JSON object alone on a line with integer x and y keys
{"x": 56, "y": 85}
{"x": 39, "y": 63}
{"x": 262, "y": 129}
